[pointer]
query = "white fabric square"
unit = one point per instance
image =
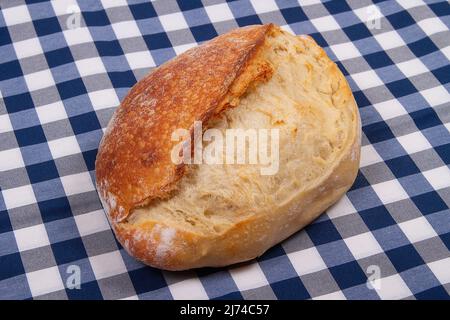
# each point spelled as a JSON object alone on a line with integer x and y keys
{"x": 103, "y": 99}
{"x": 64, "y": 147}
{"x": 369, "y": 156}
{"x": 11, "y": 159}
{"x": 390, "y": 109}
{"x": 337, "y": 295}
{"x": 436, "y": 96}
{"x": 5, "y": 123}
{"x": 77, "y": 36}
{"x": 412, "y": 67}
{"x": 393, "y": 288}
{"x": 183, "y": 48}
{"x": 62, "y": 8}
{"x": 107, "y": 265}
{"x": 39, "y": 80}
{"x": 31, "y": 237}
{"x": 307, "y": 261}
{"x": 389, "y": 40}
{"x": 51, "y": 112}
{"x": 16, "y": 15}
{"x": 363, "y": 245}
{"x": 190, "y": 288}
{"x": 126, "y": 29}
{"x": 18, "y": 197}
{"x": 264, "y": 6}
{"x": 173, "y": 21}
{"x": 439, "y": 178}
{"x": 91, "y": 222}
{"x": 417, "y": 229}
{"x": 325, "y": 23}
{"x": 341, "y": 208}
{"x": 141, "y": 59}
{"x": 90, "y": 66}
{"x": 27, "y": 48}
{"x": 77, "y": 183}
{"x": 414, "y": 142}
{"x": 408, "y": 4}
{"x": 446, "y": 52}
{"x": 367, "y": 79}
{"x": 45, "y": 281}
{"x": 432, "y": 25}
{"x": 112, "y": 4}
{"x": 441, "y": 270}
{"x": 344, "y": 51}
{"x": 249, "y": 276}
{"x": 390, "y": 191}
{"x": 219, "y": 12}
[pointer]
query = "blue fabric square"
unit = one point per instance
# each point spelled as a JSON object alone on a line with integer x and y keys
{"x": 402, "y": 166}
{"x": 275, "y": 251}
{"x": 377, "y": 218}
{"x": 124, "y": 79}
{"x": 204, "y": 32}
{"x": 96, "y": 18}
{"x": 429, "y": 202}
{"x": 290, "y": 289}
{"x": 29, "y": 136}
{"x": 89, "y": 158}
{"x": 157, "y": 41}
{"x": 357, "y": 31}
{"x": 109, "y": 48}
{"x": 230, "y": 296}
{"x": 147, "y": 279}
{"x": 436, "y": 293}
{"x": 348, "y": 275}
{"x": 378, "y": 59}
{"x": 323, "y": 232}
{"x": 360, "y": 182}
{"x": 11, "y": 266}
{"x": 71, "y": 88}
{"x": 335, "y": 7}
{"x": 319, "y": 39}
{"x": 441, "y": 9}
{"x": 423, "y": 47}
{"x": 42, "y": 171}
{"x": 442, "y": 74}
{"x": 47, "y": 26}
{"x": 446, "y": 239}
{"x": 18, "y": 102}
{"x": 4, "y": 36}
{"x": 401, "y": 88}
{"x": 69, "y": 251}
{"x": 142, "y": 10}
{"x": 189, "y": 5}
{"x": 10, "y": 70}
{"x": 5, "y": 222}
{"x": 248, "y": 20}
{"x": 401, "y": 19}
{"x": 58, "y": 57}
{"x": 404, "y": 258}
{"x": 88, "y": 291}
{"x": 425, "y": 118}
{"x": 84, "y": 123}
{"x": 55, "y": 209}
{"x": 293, "y": 15}
{"x": 444, "y": 152}
{"x": 377, "y": 132}
{"x": 361, "y": 99}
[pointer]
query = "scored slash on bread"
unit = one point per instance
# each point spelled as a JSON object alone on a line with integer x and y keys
{"x": 179, "y": 217}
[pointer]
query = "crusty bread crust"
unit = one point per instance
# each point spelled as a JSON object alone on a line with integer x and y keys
{"x": 133, "y": 165}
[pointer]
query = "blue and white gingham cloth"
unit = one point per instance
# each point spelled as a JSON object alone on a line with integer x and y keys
{"x": 59, "y": 87}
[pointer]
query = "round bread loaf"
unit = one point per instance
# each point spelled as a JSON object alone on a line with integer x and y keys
{"x": 178, "y": 216}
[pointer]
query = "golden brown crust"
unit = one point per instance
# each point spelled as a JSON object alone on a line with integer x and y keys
{"x": 133, "y": 164}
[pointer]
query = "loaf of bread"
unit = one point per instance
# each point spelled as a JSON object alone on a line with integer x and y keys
{"x": 178, "y": 216}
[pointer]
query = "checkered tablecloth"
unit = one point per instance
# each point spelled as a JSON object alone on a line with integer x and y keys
{"x": 60, "y": 83}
